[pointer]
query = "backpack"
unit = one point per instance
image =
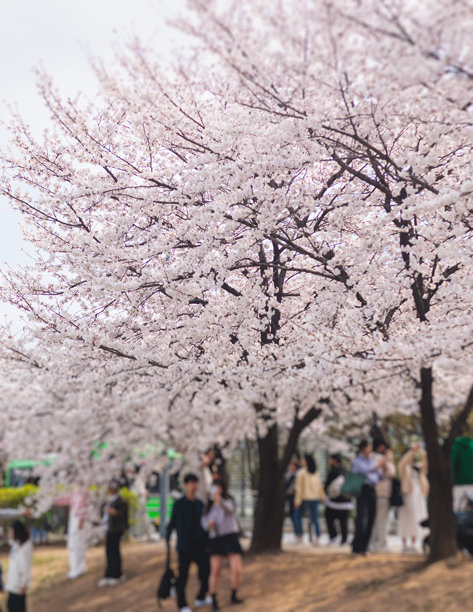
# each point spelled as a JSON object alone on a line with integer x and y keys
{"x": 334, "y": 489}
{"x": 396, "y": 500}
{"x": 167, "y": 584}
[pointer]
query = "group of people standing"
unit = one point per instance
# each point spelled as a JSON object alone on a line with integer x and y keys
{"x": 374, "y": 463}
{"x": 21, "y": 545}
{"x": 305, "y": 493}
{"x": 207, "y": 527}
{"x": 207, "y": 533}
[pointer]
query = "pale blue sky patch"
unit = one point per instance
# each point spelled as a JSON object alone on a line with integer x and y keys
{"x": 58, "y": 34}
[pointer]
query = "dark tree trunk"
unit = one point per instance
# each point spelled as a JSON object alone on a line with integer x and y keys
{"x": 269, "y": 511}
{"x": 443, "y": 538}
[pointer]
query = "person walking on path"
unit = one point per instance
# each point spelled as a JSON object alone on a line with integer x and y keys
{"x": 379, "y": 537}
{"x": 462, "y": 467}
{"x": 19, "y": 567}
{"x": 366, "y": 502}
{"x": 116, "y": 523}
{"x": 192, "y": 543}
{"x": 412, "y": 469}
{"x": 77, "y": 501}
{"x": 337, "y": 506}
{"x": 309, "y": 494}
{"x": 222, "y": 524}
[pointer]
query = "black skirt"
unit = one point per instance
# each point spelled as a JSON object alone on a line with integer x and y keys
{"x": 225, "y": 545}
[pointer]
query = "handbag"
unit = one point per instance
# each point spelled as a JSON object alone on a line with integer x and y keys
{"x": 167, "y": 584}
{"x": 396, "y": 500}
{"x": 353, "y": 484}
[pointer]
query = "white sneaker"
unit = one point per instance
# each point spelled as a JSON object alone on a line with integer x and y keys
{"x": 113, "y": 581}
{"x": 185, "y": 609}
{"x": 103, "y": 582}
{"x": 72, "y": 576}
{"x": 203, "y": 603}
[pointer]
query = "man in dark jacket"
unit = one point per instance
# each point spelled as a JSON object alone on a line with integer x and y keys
{"x": 337, "y": 507}
{"x": 116, "y": 523}
{"x": 192, "y": 543}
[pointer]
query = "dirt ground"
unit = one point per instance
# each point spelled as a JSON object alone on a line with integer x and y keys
{"x": 302, "y": 579}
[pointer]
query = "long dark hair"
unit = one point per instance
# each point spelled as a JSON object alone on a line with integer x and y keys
{"x": 311, "y": 465}
{"x": 225, "y": 493}
{"x": 20, "y": 532}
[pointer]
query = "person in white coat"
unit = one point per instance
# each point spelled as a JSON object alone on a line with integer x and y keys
{"x": 415, "y": 487}
{"x": 379, "y": 536}
{"x": 19, "y": 567}
{"x": 77, "y": 501}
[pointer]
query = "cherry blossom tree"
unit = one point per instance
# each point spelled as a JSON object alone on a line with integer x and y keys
{"x": 274, "y": 232}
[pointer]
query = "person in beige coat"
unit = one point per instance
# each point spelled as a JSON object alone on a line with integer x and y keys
{"x": 309, "y": 494}
{"x": 415, "y": 487}
{"x": 383, "y": 495}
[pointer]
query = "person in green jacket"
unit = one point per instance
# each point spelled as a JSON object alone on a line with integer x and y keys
{"x": 462, "y": 467}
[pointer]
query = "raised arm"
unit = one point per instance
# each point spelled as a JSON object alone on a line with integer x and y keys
{"x": 10, "y": 513}
{"x": 228, "y": 506}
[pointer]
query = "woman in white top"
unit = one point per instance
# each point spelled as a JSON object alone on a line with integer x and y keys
{"x": 77, "y": 500}
{"x": 415, "y": 487}
{"x": 19, "y": 567}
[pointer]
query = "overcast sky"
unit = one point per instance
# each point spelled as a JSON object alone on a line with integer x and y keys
{"x": 58, "y": 34}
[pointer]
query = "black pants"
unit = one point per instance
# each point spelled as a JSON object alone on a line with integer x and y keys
{"x": 16, "y": 603}
{"x": 290, "y": 501}
{"x": 201, "y": 558}
{"x": 332, "y": 515}
{"x": 365, "y": 515}
{"x": 114, "y": 560}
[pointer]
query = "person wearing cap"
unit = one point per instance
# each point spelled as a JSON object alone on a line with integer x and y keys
{"x": 115, "y": 520}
